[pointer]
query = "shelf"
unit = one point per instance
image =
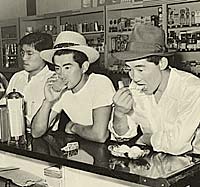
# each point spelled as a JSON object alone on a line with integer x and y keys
{"x": 191, "y": 52}
{"x": 194, "y": 29}
{"x": 119, "y": 33}
{"x": 4, "y": 39}
{"x": 11, "y": 55}
{"x": 93, "y": 33}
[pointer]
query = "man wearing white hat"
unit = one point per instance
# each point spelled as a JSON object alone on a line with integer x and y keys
{"x": 86, "y": 99}
{"x": 162, "y": 100}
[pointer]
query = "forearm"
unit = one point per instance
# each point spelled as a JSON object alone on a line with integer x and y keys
{"x": 120, "y": 123}
{"x": 40, "y": 121}
{"x": 88, "y": 132}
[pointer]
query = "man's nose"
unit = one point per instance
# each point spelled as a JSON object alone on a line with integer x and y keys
{"x": 25, "y": 57}
{"x": 60, "y": 73}
{"x": 136, "y": 77}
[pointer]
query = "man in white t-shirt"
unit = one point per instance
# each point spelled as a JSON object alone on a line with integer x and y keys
{"x": 86, "y": 99}
{"x": 162, "y": 100}
{"x": 30, "y": 81}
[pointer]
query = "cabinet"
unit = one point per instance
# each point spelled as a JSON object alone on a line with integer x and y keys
{"x": 179, "y": 19}
{"x": 120, "y": 22}
{"x": 89, "y": 22}
{"x": 183, "y": 29}
{"x": 9, "y": 54}
{"x": 107, "y": 28}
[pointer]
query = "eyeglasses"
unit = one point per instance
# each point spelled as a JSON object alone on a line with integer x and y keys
{"x": 28, "y": 53}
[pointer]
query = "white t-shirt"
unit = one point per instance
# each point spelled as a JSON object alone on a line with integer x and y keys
{"x": 97, "y": 92}
{"x": 33, "y": 90}
{"x": 172, "y": 124}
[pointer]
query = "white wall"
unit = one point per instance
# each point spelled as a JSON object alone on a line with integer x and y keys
{"x": 12, "y": 9}
{"x": 17, "y": 8}
{"x": 48, "y": 6}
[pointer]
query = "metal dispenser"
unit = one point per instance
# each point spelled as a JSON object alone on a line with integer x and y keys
{"x": 15, "y": 106}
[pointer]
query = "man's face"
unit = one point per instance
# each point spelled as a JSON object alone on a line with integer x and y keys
{"x": 31, "y": 59}
{"x": 68, "y": 70}
{"x": 145, "y": 74}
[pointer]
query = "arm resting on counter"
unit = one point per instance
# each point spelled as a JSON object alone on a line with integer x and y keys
{"x": 123, "y": 126}
{"x": 97, "y": 132}
{"x": 43, "y": 119}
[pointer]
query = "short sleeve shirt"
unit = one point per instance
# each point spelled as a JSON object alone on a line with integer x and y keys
{"x": 97, "y": 92}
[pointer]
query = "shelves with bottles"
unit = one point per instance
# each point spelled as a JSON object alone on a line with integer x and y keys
{"x": 184, "y": 15}
{"x": 47, "y": 24}
{"x": 88, "y": 22}
{"x": 119, "y": 25}
{"x": 9, "y": 53}
{"x": 184, "y": 26}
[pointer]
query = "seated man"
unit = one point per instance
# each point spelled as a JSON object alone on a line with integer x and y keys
{"x": 86, "y": 99}
{"x": 30, "y": 81}
{"x": 162, "y": 100}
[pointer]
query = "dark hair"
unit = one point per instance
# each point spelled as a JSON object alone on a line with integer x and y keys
{"x": 156, "y": 59}
{"x": 40, "y": 41}
{"x": 78, "y": 56}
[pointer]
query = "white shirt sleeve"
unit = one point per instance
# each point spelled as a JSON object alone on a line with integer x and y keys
{"x": 132, "y": 132}
{"x": 103, "y": 92}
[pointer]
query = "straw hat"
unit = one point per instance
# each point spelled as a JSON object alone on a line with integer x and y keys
{"x": 73, "y": 41}
{"x": 145, "y": 40}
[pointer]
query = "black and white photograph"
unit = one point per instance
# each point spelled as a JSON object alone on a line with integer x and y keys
{"x": 99, "y": 93}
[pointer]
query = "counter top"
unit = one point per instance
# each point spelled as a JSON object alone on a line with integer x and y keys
{"x": 155, "y": 169}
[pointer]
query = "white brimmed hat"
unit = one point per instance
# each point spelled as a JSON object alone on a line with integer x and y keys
{"x": 73, "y": 41}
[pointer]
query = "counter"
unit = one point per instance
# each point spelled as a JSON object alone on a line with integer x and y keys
{"x": 155, "y": 169}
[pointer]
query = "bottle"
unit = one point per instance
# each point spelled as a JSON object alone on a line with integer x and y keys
{"x": 113, "y": 44}
{"x": 118, "y": 43}
{"x": 198, "y": 40}
{"x": 182, "y": 17}
{"x": 187, "y": 17}
{"x": 192, "y": 21}
{"x": 183, "y": 42}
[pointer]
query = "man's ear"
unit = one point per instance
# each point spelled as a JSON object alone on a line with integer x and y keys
{"x": 163, "y": 63}
{"x": 85, "y": 66}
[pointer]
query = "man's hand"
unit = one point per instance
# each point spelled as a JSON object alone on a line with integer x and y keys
{"x": 52, "y": 93}
{"x": 123, "y": 101}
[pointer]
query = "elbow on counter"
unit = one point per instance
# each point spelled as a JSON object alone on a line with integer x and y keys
{"x": 176, "y": 149}
{"x": 101, "y": 138}
{"x": 36, "y": 134}
{"x": 179, "y": 150}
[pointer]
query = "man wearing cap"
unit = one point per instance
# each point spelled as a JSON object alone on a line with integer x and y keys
{"x": 162, "y": 100}
{"x": 85, "y": 98}
{"x": 30, "y": 81}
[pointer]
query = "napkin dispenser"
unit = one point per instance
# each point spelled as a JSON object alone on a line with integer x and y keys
{"x": 15, "y": 107}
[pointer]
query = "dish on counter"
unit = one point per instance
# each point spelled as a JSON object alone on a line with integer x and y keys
{"x": 125, "y": 151}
